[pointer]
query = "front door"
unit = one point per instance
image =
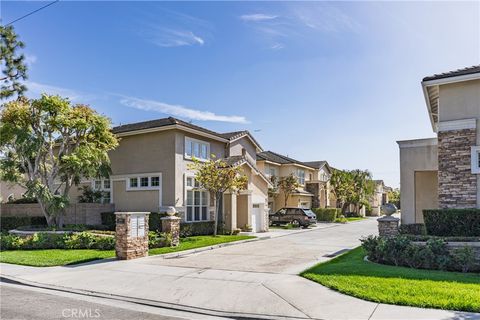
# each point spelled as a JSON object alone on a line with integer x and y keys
{"x": 256, "y": 221}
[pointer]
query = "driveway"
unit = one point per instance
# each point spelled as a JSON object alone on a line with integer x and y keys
{"x": 255, "y": 279}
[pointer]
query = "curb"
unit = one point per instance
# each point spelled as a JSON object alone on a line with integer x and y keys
{"x": 146, "y": 302}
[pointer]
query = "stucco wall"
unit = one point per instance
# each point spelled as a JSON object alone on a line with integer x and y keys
{"x": 138, "y": 200}
{"x": 237, "y": 146}
{"x": 426, "y": 193}
{"x": 415, "y": 155}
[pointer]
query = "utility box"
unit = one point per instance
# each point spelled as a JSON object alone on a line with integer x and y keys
{"x": 131, "y": 235}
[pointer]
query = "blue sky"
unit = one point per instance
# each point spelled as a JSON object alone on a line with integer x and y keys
{"x": 335, "y": 81}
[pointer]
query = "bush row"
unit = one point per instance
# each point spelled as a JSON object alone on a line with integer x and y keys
{"x": 9, "y": 223}
{"x": 401, "y": 251}
{"x": 154, "y": 220}
{"x": 452, "y": 222}
{"x": 327, "y": 214}
{"x": 43, "y": 240}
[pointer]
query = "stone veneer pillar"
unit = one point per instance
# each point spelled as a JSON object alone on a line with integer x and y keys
{"x": 171, "y": 225}
{"x": 131, "y": 235}
{"x": 388, "y": 226}
{"x": 457, "y": 185}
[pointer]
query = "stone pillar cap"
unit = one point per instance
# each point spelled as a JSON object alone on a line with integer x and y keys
{"x": 388, "y": 218}
{"x": 170, "y": 218}
{"x": 122, "y": 212}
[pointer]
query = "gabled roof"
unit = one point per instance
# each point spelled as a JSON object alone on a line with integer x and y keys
{"x": 431, "y": 90}
{"x": 240, "y": 160}
{"x": 319, "y": 164}
{"x": 235, "y": 135}
{"x": 280, "y": 159}
{"x": 164, "y": 122}
{"x": 455, "y": 73}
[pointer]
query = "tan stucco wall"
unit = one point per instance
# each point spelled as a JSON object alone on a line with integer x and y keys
{"x": 142, "y": 200}
{"x": 8, "y": 188}
{"x": 246, "y": 143}
{"x": 147, "y": 153}
{"x": 244, "y": 207}
{"x": 426, "y": 192}
{"x": 414, "y": 158}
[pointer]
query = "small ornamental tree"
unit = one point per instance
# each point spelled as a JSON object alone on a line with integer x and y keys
{"x": 14, "y": 68}
{"x": 47, "y": 145}
{"x": 352, "y": 187}
{"x": 217, "y": 177}
{"x": 288, "y": 185}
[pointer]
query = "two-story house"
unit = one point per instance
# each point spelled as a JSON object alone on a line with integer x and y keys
{"x": 444, "y": 171}
{"x": 276, "y": 166}
{"x": 319, "y": 185}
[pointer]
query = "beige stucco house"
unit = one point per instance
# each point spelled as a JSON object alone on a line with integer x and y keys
{"x": 444, "y": 171}
{"x": 275, "y": 166}
{"x": 319, "y": 185}
{"x": 379, "y": 197}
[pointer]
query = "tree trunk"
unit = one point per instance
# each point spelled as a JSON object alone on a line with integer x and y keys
{"x": 217, "y": 213}
{"x": 50, "y": 219}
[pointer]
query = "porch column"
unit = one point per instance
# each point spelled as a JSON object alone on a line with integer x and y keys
{"x": 244, "y": 208}
{"x": 230, "y": 211}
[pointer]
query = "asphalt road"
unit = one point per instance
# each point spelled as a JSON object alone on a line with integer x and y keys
{"x": 18, "y": 303}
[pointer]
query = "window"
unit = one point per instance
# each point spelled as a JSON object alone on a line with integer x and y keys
{"x": 97, "y": 185}
{"x": 475, "y": 159}
{"x": 196, "y": 148}
{"x": 196, "y": 202}
{"x": 144, "y": 182}
{"x": 155, "y": 181}
{"x": 104, "y": 186}
{"x": 301, "y": 176}
{"x": 133, "y": 182}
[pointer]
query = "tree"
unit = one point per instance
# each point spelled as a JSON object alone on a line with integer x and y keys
{"x": 288, "y": 185}
{"x": 14, "y": 68}
{"x": 48, "y": 145}
{"x": 217, "y": 177}
{"x": 352, "y": 187}
{"x": 394, "y": 197}
{"x": 342, "y": 187}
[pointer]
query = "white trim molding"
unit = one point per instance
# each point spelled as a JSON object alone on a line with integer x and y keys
{"x": 457, "y": 125}
{"x": 475, "y": 159}
{"x": 417, "y": 143}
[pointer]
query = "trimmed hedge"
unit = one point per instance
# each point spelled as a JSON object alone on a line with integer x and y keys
{"x": 9, "y": 223}
{"x": 326, "y": 214}
{"x": 154, "y": 220}
{"x": 452, "y": 222}
{"x": 413, "y": 228}
{"x": 189, "y": 229}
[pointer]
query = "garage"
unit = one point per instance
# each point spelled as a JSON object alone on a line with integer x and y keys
{"x": 256, "y": 217}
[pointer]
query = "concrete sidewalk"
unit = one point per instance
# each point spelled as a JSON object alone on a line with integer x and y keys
{"x": 255, "y": 279}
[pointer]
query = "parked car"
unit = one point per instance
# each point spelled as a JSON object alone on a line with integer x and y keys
{"x": 296, "y": 216}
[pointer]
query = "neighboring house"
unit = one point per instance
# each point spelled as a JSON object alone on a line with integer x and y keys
{"x": 444, "y": 172}
{"x": 319, "y": 186}
{"x": 276, "y": 166}
{"x": 379, "y": 197}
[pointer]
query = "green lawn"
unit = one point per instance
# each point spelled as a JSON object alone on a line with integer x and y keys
{"x": 61, "y": 257}
{"x": 351, "y": 275}
{"x": 349, "y": 219}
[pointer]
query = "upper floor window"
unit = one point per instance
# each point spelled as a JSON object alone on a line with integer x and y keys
{"x": 143, "y": 182}
{"x": 196, "y": 148}
{"x": 104, "y": 186}
{"x": 475, "y": 159}
{"x": 301, "y": 176}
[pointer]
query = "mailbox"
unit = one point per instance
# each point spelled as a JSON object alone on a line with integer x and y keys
{"x": 131, "y": 235}
{"x": 137, "y": 226}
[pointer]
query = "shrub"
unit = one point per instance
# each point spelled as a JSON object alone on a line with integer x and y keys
{"x": 196, "y": 228}
{"x": 44, "y": 240}
{"x": 104, "y": 243}
{"x": 154, "y": 240}
{"x": 82, "y": 240}
{"x": 326, "y": 214}
{"x": 9, "y": 223}
{"x": 108, "y": 220}
{"x": 155, "y": 221}
{"x": 341, "y": 219}
{"x": 10, "y": 242}
{"x": 464, "y": 258}
{"x": 235, "y": 231}
{"x": 413, "y": 228}
{"x": 452, "y": 222}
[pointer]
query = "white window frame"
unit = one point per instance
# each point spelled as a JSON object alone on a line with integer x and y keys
{"x": 200, "y": 143}
{"x": 475, "y": 160}
{"x": 300, "y": 179}
{"x": 138, "y": 178}
{"x": 194, "y": 187}
{"x": 102, "y": 187}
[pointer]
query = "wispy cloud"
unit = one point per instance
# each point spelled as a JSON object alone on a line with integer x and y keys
{"x": 277, "y": 46}
{"x": 30, "y": 59}
{"x": 37, "y": 89}
{"x": 174, "y": 38}
{"x": 174, "y": 29}
{"x": 178, "y": 110}
{"x": 325, "y": 18}
{"x": 257, "y": 17}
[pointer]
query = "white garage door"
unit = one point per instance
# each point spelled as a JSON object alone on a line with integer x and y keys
{"x": 256, "y": 218}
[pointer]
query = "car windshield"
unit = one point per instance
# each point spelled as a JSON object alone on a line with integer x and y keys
{"x": 309, "y": 212}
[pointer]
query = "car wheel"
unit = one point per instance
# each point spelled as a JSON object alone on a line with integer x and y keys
{"x": 295, "y": 223}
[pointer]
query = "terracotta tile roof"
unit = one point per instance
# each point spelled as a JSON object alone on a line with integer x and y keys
{"x": 455, "y": 73}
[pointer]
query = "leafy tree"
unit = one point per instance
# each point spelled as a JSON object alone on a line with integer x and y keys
{"x": 342, "y": 187}
{"x": 217, "y": 177}
{"x": 90, "y": 195}
{"x": 48, "y": 145}
{"x": 288, "y": 185}
{"x": 352, "y": 187}
{"x": 14, "y": 68}
{"x": 273, "y": 191}
{"x": 394, "y": 197}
